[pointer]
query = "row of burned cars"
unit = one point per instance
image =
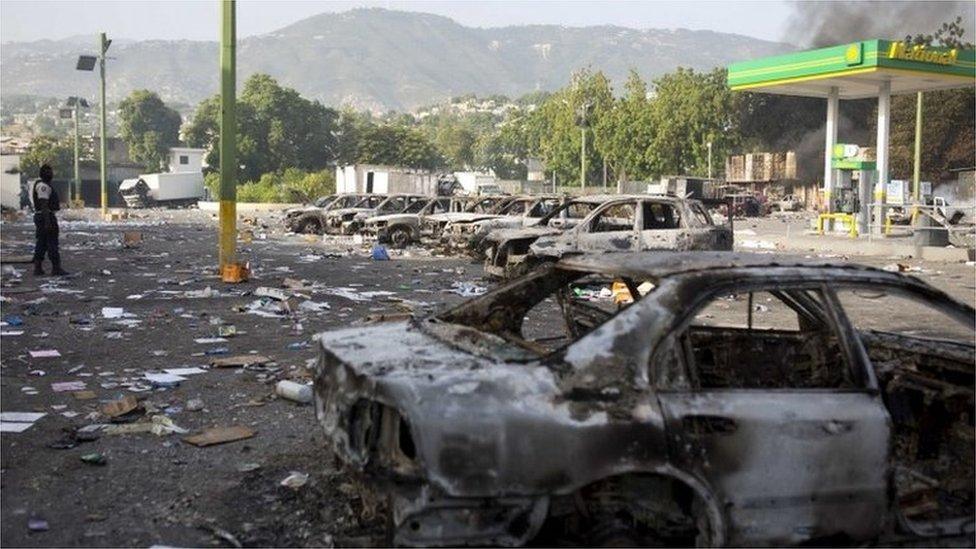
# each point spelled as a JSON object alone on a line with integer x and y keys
{"x": 514, "y": 234}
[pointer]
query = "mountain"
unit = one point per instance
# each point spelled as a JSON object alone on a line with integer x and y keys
{"x": 377, "y": 59}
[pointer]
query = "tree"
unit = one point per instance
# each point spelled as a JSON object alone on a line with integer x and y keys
{"x": 690, "y": 110}
{"x": 624, "y": 136}
{"x": 276, "y": 129}
{"x": 149, "y": 128}
{"x": 57, "y": 153}
{"x": 398, "y": 145}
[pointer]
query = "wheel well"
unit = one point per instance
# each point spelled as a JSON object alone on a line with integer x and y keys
{"x": 632, "y": 508}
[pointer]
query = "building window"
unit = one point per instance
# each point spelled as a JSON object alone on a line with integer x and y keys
{"x": 184, "y": 159}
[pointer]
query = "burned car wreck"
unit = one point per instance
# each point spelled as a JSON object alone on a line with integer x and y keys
{"x": 623, "y": 224}
{"x": 717, "y": 399}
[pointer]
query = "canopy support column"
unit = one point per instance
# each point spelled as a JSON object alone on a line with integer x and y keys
{"x": 830, "y": 139}
{"x": 882, "y": 156}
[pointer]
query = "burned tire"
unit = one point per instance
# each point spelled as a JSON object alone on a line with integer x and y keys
{"x": 399, "y": 237}
{"x": 308, "y": 225}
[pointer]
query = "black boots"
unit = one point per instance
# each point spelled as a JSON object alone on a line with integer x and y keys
{"x": 39, "y": 268}
{"x": 56, "y": 269}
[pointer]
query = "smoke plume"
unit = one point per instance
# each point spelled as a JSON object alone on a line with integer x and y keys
{"x": 819, "y": 24}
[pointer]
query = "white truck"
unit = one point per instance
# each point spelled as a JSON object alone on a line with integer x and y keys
{"x": 162, "y": 189}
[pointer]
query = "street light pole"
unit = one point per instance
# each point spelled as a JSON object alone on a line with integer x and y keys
{"x": 228, "y": 136}
{"x": 77, "y": 193}
{"x": 583, "y": 159}
{"x": 103, "y": 44}
{"x": 709, "y": 159}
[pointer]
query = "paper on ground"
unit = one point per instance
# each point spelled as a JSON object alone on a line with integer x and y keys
{"x": 45, "y": 353}
{"x": 184, "y": 371}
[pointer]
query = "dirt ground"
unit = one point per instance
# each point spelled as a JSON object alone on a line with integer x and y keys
{"x": 160, "y": 490}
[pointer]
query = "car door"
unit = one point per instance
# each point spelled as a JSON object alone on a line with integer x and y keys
{"x": 778, "y": 415}
{"x": 612, "y": 228}
{"x": 663, "y": 227}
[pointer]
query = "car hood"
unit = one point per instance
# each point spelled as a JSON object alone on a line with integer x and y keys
{"x": 503, "y": 235}
{"x": 461, "y": 217}
{"x": 345, "y": 211}
{"x": 481, "y": 426}
{"x": 392, "y": 218}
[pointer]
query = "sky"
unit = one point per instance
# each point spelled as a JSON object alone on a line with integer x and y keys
{"x": 24, "y": 20}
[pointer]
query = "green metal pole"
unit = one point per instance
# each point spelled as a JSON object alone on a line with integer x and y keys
{"x": 102, "y": 47}
{"x": 228, "y": 135}
{"x": 917, "y": 175}
{"x": 77, "y": 193}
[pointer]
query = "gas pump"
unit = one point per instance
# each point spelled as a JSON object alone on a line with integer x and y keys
{"x": 855, "y": 174}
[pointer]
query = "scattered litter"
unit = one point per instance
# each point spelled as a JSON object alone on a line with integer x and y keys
{"x": 84, "y": 395}
{"x": 131, "y": 239}
{"x": 248, "y": 467}
{"x": 219, "y": 435}
{"x": 756, "y": 244}
{"x": 901, "y": 268}
{"x": 466, "y": 289}
{"x": 164, "y": 380}
{"x": 45, "y": 353}
{"x": 239, "y": 361}
{"x": 65, "y": 386}
{"x": 379, "y": 254}
{"x": 185, "y": 371}
{"x": 294, "y": 391}
{"x": 113, "y": 312}
{"x": 120, "y": 406}
{"x": 158, "y": 425}
{"x": 11, "y": 333}
{"x": 227, "y": 331}
{"x": 94, "y": 458}
{"x": 210, "y": 340}
{"x": 13, "y": 320}
{"x": 295, "y": 480}
{"x": 194, "y": 405}
{"x": 273, "y": 293}
{"x": 18, "y": 422}
{"x": 37, "y": 524}
{"x": 313, "y": 306}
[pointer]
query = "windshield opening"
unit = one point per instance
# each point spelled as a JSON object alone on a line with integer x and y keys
{"x": 549, "y": 309}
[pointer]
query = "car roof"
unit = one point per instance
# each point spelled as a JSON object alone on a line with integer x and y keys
{"x": 663, "y": 264}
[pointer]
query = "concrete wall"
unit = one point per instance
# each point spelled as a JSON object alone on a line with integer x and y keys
{"x": 9, "y": 182}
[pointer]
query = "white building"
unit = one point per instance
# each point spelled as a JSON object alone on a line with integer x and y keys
{"x": 186, "y": 159}
{"x": 10, "y": 182}
{"x": 369, "y": 178}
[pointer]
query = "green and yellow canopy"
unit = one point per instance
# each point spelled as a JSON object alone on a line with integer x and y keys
{"x": 857, "y": 70}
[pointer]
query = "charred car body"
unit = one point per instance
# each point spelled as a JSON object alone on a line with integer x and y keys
{"x": 494, "y": 423}
{"x": 624, "y": 224}
{"x": 481, "y": 207}
{"x": 348, "y": 220}
{"x": 406, "y": 227}
{"x": 466, "y": 235}
{"x": 311, "y": 219}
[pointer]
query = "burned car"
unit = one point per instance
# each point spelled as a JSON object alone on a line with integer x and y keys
{"x": 400, "y": 229}
{"x": 480, "y": 207}
{"x": 733, "y": 399}
{"x": 394, "y": 203}
{"x": 624, "y": 224}
{"x": 466, "y": 235}
{"x": 561, "y": 218}
{"x": 311, "y": 219}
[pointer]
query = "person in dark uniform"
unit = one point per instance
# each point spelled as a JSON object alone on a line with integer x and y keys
{"x": 46, "y": 202}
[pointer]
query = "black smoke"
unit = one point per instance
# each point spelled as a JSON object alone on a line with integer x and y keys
{"x": 819, "y": 24}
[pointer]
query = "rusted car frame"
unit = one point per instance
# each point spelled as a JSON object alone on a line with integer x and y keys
{"x": 640, "y": 426}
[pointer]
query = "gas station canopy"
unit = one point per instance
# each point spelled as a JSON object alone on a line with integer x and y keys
{"x": 856, "y": 70}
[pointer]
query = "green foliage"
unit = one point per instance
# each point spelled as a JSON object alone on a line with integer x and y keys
{"x": 149, "y": 128}
{"x": 624, "y": 136}
{"x": 397, "y": 145}
{"x": 276, "y": 129}
{"x": 212, "y": 182}
{"x": 58, "y": 153}
{"x": 299, "y": 186}
{"x": 265, "y": 189}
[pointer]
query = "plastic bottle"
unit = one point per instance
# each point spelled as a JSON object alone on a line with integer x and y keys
{"x": 294, "y": 391}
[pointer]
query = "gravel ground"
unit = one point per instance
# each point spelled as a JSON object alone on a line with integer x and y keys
{"x": 159, "y": 489}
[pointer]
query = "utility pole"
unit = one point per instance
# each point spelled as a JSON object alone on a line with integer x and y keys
{"x": 103, "y": 44}
{"x": 228, "y": 136}
{"x": 709, "y": 159}
{"x": 583, "y": 161}
{"x": 77, "y": 193}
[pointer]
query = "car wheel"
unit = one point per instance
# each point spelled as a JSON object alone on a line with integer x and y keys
{"x": 310, "y": 225}
{"x": 399, "y": 237}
